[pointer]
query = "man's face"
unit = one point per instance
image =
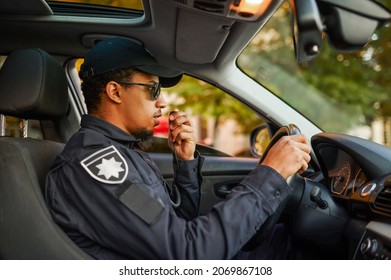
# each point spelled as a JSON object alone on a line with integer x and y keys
{"x": 140, "y": 112}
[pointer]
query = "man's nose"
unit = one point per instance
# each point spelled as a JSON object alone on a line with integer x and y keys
{"x": 161, "y": 102}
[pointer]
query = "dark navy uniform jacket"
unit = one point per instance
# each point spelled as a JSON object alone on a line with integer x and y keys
{"x": 112, "y": 201}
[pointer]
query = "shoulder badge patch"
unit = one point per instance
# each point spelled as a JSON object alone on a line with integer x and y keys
{"x": 107, "y": 166}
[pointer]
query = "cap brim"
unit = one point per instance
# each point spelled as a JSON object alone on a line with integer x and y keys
{"x": 167, "y": 77}
{"x": 170, "y": 82}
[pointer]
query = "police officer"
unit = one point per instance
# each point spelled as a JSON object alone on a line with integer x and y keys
{"x": 110, "y": 197}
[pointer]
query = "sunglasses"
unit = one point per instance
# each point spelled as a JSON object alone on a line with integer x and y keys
{"x": 154, "y": 89}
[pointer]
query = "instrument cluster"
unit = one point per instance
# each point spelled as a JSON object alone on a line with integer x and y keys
{"x": 345, "y": 176}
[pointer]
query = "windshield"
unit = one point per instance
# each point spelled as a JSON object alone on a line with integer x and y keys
{"x": 339, "y": 92}
{"x": 127, "y": 4}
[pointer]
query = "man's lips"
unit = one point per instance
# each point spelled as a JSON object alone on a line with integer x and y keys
{"x": 156, "y": 119}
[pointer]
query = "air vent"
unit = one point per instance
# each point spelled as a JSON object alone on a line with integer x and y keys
{"x": 383, "y": 200}
{"x": 211, "y": 6}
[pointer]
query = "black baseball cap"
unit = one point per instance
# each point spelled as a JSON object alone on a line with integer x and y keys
{"x": 120, "y": 53}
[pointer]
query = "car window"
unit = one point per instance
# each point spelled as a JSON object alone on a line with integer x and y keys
{"x": 16, "y": 127}
{"x": 338, "y": 91}
{"x": 127, "y": 4}
{"x": 223, "y": 124}
{"x": 98, "y": 8}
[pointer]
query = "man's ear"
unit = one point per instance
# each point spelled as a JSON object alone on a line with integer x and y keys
{"x": 114, "y": 92}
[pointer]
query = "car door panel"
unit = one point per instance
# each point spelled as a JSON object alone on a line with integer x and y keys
{"x": 220, "y": 174}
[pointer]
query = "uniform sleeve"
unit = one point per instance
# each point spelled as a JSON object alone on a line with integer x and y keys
{"x": 99, "y": 212}
{"x": 188, "y": 180}
{"x": 186, "y": 188}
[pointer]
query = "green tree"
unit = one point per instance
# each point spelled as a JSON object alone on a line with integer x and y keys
{"x": 207, "y": 101}
{"x": 348, "y": 81}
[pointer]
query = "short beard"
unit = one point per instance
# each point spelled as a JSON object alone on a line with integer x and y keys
{"x": 145, "y": 138}
{"x": 143, "y": 134}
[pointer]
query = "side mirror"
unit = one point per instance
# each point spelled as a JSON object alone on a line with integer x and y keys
{"x": 259, "y": 140}
{"x": 348, "y": 24}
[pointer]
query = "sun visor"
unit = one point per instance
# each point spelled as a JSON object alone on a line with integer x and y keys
{"x": 23, "y": 7}
{"x": 199, "y": 41}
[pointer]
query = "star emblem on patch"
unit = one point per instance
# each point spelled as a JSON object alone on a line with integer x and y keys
{"x": 110, "y": 168}
{"x": 106, "y": 165}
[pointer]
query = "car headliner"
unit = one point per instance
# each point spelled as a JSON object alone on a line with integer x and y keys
{"x": 178, "y": 37}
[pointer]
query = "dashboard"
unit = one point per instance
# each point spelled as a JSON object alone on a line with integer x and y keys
{"x": 358, "y": 172}
{"x": 356, "y": 179}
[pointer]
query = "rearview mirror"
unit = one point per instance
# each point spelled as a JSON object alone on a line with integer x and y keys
{"x": 348, "y": 24}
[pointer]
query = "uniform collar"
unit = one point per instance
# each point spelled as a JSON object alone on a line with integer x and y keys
{"x": 107, "y": 129}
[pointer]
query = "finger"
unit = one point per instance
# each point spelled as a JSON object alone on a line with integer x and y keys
{"x": 299, "y": 141}
{"x": 182, "y": 132}
{"x": 306, "y": 161}
{"x": 185, "y": 137}
{"x": 300, "y": 138}
{"x": 303, "y": 160}
{"x": 307, "y": 157}
{"x": 290, "y": 143}
{"x": 175, "y": 113}
{"x": 179, "y": 119}
{"x": 303, "y": 168}
{"x": 303, "y": 147}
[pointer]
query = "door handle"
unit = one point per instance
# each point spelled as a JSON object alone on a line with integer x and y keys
{"x": 225, "y": 188}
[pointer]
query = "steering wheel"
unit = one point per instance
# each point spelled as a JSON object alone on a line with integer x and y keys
{"x": 296, "y": 182}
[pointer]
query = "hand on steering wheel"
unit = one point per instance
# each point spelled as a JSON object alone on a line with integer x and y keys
{"x": 287, "y": 155}
{"x": 293, "y": 163}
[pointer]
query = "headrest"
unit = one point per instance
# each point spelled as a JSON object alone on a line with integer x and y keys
{"x": 33, "y": 85}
